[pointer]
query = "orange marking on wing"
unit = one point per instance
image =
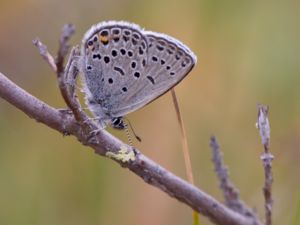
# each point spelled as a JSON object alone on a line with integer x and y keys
{"x": 103, "y": 38}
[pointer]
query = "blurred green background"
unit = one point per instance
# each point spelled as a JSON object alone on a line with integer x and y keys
{"x": 248, "y": 53}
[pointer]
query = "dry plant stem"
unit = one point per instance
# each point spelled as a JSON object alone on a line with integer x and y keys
{"x": 66, "y": 77}
{"x": 67, "y": 85}
{"x": 67, "y": 32}
{"x": 264, "y": 129}
{"x": 45, "y": 54}
{"x": 185, "y": 149}
{"x": 230, "y": 193}
{"x": 63, "y": 78}
{"x": 103, "y": 142}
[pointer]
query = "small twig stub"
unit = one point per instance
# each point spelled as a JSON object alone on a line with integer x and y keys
{"x": 230, "y": 192}
{"x": 263, "y": 126}
{"x": 45, "y": 54}
{"x": 67, "y": 31}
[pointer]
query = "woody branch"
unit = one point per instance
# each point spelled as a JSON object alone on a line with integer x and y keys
{"x": 102, "y": 142}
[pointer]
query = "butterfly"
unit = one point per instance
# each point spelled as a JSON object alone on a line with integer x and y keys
{"x": 125, "y": 67}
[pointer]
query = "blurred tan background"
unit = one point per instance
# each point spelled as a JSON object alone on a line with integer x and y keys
{"x": 248, "y": 53}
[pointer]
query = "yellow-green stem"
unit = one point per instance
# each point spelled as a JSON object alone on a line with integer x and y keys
{"x": 185, "y": 150}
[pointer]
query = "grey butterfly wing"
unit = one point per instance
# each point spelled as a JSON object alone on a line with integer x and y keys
{"x": 168, "y": 62}
{"x": 114, "y": 57}
{"x": 125, "y": 67}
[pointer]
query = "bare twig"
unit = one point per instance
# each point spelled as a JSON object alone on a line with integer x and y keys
{"x": 104, "y": 143}
{"x": 107, "y": 145}
{"x": 35, "y": 108}
{"x": 67, "y": 32}
{"x": 67, "y": 77}
{"x": 230, "y": 192}
{"x": 264, "y": 129}
{"x": 58, "y": 67}
{"x": 67, "y": 84}
{"x": 45, "y": 54}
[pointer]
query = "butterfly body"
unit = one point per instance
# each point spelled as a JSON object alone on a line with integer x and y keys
{"x": 125, "y": 67}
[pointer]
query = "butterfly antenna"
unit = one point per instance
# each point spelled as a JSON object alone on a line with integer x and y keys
{"x": 135, "y": 135}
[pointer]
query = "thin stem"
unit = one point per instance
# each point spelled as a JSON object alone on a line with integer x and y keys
{"x": 185, "y": 149}
{"x": 45, "y": 54}
{"x": 230, "y": 192}
{"x": 264, "y": 129}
